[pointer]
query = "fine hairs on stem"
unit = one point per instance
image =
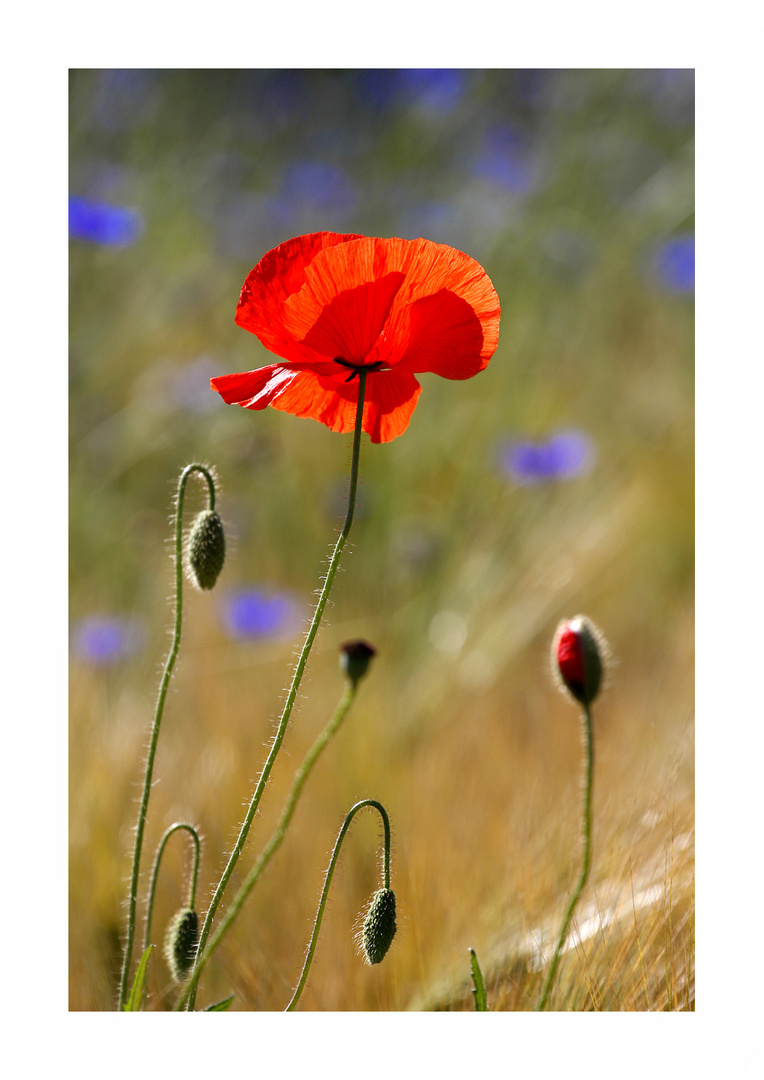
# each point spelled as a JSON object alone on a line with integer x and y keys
{"x": 578, "y": 655}
{"x": 193, "y": 876}
{"x": 188, "y": 998}
{"x": 355, "y": 657}
{"x": 586, "y": 859}
{"x": 132, "y": 899}
{"x": 379, "y": 924}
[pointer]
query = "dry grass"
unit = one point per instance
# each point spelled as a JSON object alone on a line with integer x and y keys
{"x": 483, "y": 798}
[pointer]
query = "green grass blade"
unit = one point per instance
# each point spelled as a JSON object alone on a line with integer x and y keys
{"x": 220, "y": 1006}
{"x": 481, "y": 998}
{"x": 138, "y": 990}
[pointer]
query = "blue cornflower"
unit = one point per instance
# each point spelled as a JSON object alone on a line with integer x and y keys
{"x": 563, "y": 456}
{"x": 318, "y": 184}
{"x": 259, "y": 613}
{"x": 429, "y": 89}
{"x": 674, "y": 263}
{"x": 508, "y": 161}
{"x": 106, "y": 639}
{"x": 433, "y": 89}
{"x": 102, "y": 223}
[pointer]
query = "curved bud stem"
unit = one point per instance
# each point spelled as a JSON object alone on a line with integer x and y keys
{"x": 586, "y": 862}
{"x": 195, "y": 467}
{"x": 276, "y": 839}
{"x": 190, "y": 993}
{"x": 328, "y": 880}
{"x": 191, "y": 903}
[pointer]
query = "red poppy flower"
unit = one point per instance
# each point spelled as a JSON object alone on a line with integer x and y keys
{"x": 330, "y": 304}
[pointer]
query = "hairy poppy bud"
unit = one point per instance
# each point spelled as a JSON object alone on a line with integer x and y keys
{"x": 205, "y": 552}
{"x": 180, "y": 942}
{"x": 578, "y": 653}
{"x": 379, "y": 926}
{"x": 355, "y": 657}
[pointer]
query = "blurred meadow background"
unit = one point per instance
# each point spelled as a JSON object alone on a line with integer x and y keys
{"x": 558, "y": 481}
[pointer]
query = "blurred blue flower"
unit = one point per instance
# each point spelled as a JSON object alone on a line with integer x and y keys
{"x": 106, "y": 639}
{"x": 317, "y": 184}
{"x": 433, "y": 89}
{"x": 376, "y": 87}
{"x": 563, "y": 456}
{"x": 260, "y": 613}
{"x": 508, "y": 161}
{"x": 674, "y": 263}
{"x": 248, "y": 221}
{"x": 103, "y": 224}
{"x": 429, "y": 89}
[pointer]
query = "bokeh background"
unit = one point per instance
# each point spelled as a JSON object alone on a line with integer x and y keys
{"x": 560, "y": 480}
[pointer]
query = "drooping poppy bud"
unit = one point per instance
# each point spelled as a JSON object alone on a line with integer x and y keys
{"x": 180, "y": 942}
{"x": 378, "y": 926}
{"x": 578, "y": 656}
{"x": 205, "y": 552}
{"x": 355, "y": 657}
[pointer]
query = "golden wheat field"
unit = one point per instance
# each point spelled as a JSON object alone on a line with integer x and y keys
{"x": 474, "y": 536}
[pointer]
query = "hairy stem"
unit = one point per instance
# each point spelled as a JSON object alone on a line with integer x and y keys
{"x": 188, "y": 997}
{"x": 586, "y": 833}
{"x": 191, "y": 902}
{"x": 164, "y": 684}
{"x": 280, "y": 831}
{"x": 328, "y": 880}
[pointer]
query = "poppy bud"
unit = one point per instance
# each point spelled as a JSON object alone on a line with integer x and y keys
{"x": 578, "y": 652}
{"x": 378, "y": 926}
{"x": 205, "y": 552}
{"x": 355, "y": 657}
{"x": 180, "y": 942}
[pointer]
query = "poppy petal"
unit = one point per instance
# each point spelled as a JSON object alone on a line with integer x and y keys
{"x": 279, "y": 274}
{"x": 445, "y": 316}
{"x": 253, "y": 389}
{"x": 398, "y": 307}
{"x": 390, "y": 400}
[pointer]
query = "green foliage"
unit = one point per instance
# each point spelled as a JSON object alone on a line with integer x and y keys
{"x": 137, "y": 993}
{"x": 481, "y": 997}
{"x": 220, "y": 1006}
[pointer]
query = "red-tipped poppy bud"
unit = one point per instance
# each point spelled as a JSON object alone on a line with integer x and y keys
{"x": 355, "y": 657}
{"x": 180, "y": 942}
{"x": 578, "y": 653}
{"x": 205, "y": 552}
{"x": 379, "y": 926}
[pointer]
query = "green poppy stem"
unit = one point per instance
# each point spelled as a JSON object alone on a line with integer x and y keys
{"x": 189, "y": 995}
{"x": 164, "y": 684}
{"x": 328, "y": 880}
{"x": 276, "y": 839}
{"x": 586, "y": 833}
{"x": 191, "y": 902}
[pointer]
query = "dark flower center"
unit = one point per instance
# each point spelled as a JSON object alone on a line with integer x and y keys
{"x": 356, "y": 369}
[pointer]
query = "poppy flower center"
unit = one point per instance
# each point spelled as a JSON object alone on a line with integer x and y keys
{"x": 356, "y": 369}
